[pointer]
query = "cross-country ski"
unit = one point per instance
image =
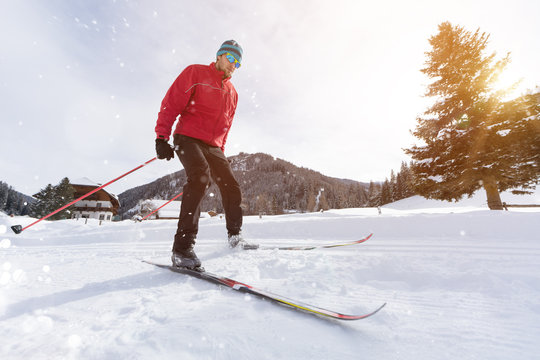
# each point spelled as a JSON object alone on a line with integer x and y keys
{"x": 263, "y": 294}
{"x": 310, "y": 247}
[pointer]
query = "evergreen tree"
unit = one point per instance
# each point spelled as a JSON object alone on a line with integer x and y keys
{"x": 63, "y": 193}
{"x": 277, "y": 209}
{"x": 311, "y": 203}
{"x": 392, "y": 184}
{"x": 399, "y": 187}
{"x": 323, "y": 202}
{"x": 52, "y": 198}
{"x": 261, "y": 204}
{"x": 11, "y": 203}
{"x": 4, "y": 191}
{"x": 374, "y": 194}
{"x": 386, "y": 193}
{"x": 472, "y": 138}
{"x": 45, "y": 202}
{"x": 407, "y": 180}
{"x": 25, "y": 209}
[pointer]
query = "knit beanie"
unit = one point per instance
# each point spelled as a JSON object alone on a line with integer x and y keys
{"x": 231, "y": 47}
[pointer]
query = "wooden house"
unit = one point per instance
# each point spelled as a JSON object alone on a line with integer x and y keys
{"x": 101, "y": 205}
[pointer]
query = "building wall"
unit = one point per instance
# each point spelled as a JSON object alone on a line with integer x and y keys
{"x": 102, "y": 215}
{"x": 94, "y": 204}
{"x": 93, "y": 209}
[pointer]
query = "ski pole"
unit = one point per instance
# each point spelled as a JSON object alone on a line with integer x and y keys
{"x": 168, "y": 202}
{"x": 17, "y": 229}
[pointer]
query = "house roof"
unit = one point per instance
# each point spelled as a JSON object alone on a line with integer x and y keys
{"x": 81, "y": 183}
{"x": 84, "y": 181}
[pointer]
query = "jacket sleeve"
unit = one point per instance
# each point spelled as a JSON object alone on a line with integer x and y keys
{"x": 174, "y": 102}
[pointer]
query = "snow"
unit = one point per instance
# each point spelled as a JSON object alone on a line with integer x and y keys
{"x": 460, "y": 282}
{"x": 84, "y": 181}
{"x": 171, "y": 210}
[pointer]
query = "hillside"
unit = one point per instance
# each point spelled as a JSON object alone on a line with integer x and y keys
{"x": 13, "y": 202}
{"x": 269, "y": 185}
{"x": 477, "y": 201}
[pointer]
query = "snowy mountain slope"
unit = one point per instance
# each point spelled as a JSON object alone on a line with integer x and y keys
{"x": 477, "y": 201}
{"x": 459, "y": 282}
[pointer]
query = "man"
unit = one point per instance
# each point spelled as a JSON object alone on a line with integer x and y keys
{"x": 205, "y": 100}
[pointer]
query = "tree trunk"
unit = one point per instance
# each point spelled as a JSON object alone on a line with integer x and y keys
{"x": 492, "y": 192}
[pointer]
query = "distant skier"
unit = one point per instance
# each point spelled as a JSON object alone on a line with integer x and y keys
{"x": 205, "y": 100}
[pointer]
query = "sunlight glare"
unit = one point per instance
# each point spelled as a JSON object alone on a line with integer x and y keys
{"x": 512, "y": 81}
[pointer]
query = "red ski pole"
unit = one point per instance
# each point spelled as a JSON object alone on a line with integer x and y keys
{"x": 17, "y": 229}
{"x": 168, "y": 202}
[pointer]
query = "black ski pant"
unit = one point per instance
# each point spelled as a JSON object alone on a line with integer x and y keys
{"x": 201, "y": 161}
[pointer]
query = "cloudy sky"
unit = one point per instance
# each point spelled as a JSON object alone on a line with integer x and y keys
{"x": 333, "y": 86}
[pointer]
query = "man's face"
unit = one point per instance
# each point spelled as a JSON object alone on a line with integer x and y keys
{"x": 222, "y": 64}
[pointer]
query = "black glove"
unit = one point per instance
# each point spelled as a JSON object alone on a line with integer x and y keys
{"x": 164, "y": 150}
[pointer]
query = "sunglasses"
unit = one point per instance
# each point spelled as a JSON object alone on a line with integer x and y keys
{"x": 232, "y": 59}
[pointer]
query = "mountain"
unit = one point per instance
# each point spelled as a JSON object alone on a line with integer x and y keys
{"x": 269, "y": 185}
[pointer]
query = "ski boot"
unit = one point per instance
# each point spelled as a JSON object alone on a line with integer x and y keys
{"x": 186, "y": 259}
{"x": 237, "y": 240}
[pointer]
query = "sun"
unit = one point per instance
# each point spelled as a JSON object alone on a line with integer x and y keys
{"x": 511, "y": 81}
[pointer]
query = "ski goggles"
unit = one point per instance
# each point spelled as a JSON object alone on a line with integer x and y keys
{"x": 232, "y": 60}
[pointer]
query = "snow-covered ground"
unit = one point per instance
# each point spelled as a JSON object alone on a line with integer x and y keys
{"x": 461, "y": 282}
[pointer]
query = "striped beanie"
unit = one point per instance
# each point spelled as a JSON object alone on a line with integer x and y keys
{"x": 231, "y": 47}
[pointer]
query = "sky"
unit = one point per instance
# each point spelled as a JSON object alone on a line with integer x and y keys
{"x": 332, "y": 86}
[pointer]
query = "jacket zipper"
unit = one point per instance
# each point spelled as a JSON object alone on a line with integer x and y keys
{"x": 221, "y": 108}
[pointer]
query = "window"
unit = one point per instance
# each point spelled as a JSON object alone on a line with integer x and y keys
{"x": 102, "y": 217}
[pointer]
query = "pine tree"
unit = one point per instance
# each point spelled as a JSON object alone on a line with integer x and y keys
{"x": 4, "y": 189}
{"x": 45, "y": 202}
{"x": 63, "y": 194}
{"x": 392, "y": 184}
{"x": 311, "y": 203}
{"x": 386, "y": 193}
{"x": 11, "y": 202}
{"x": 323, "y": 202}
{"x": 399, "y": 187}
{"x": 374, "y": 194}
{"x": 52, "y": 198}
{"x": 261, "y": 205}
{"x": 472, "y": 138}
{"x": 407, "y": 179}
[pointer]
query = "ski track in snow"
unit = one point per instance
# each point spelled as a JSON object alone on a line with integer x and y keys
{"x": 457, "y": 285}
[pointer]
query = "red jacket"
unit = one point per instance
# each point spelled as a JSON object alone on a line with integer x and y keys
{"x": 205, "y": 102}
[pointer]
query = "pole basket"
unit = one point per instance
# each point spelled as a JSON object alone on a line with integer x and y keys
{"x": 17, "y": 229}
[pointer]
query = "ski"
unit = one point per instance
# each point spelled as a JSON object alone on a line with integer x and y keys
{"x": 250, "y": 247}
{"x": 263, "y": 294}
